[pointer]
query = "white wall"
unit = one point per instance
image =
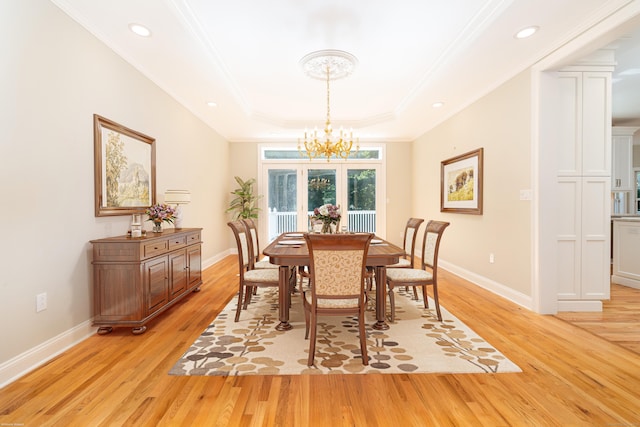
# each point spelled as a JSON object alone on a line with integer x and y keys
{"x": 55, "y": 76}
{"x": 499, "y": 122}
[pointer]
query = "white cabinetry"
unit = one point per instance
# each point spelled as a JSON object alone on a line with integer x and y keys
{"x": 622, "y": 159}
{"x": 585, "y": 128}
{"x": 583, "y": 241}
{"x": 583, "y": 184}
{"x": 626, "y": 246}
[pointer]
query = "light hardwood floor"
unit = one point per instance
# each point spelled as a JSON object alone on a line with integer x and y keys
{"x": 619, "y": 321}
{"x": 570, "y": 377}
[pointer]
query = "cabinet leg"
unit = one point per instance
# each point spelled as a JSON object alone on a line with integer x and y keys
{"x": 197, "y": 289}
{"x": 104, "y": 330}
{"x": 139, "y": 330}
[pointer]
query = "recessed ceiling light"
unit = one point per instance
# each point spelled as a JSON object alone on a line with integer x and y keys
{"x": 140, "y": 30}
{"x": 437, "y": 104}
{"x": 212, "y": 104}
{"x": 526, "y": 32}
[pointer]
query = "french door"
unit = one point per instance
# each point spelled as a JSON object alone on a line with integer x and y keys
{"x": 292, "y": 190}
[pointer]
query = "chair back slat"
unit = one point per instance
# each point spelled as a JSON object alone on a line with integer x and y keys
{"x": 253, "y": 232}
{"x": 431, "y": 244}
{"x": 410, "y": 234}
{"x": 338, "y": 273}
{"x": 244, "y": 251}
{"x": 338, "y": 264}
{"x": 409, "y": 237}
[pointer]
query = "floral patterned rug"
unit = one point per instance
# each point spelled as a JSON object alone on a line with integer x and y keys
{"x": 416, "y": 343}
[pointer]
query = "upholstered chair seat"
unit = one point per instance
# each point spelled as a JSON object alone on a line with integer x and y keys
{"x": 262, "y": 275}
{"x": 264, "y": 264}
{"x": 408, "y": 275}
{"x": 402, "y": 263}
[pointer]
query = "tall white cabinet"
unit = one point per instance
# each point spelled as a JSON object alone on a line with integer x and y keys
{"x": 622, "y": 160}
{"x": 583, "y": 187}
{"x": 622, "y": 175}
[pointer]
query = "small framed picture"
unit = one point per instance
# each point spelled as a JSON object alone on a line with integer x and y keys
{"x": 125, "y": 169}
{"x": 461, "y": 183}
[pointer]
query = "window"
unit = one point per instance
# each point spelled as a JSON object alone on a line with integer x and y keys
{"x": 293, "y": 186}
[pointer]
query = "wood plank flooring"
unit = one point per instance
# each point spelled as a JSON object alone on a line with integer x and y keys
{"x": 570, "y": 377}
{"x": 619, "y": 321}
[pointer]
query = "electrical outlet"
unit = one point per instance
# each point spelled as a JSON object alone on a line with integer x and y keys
{"x": 492, "y": 259}
{"x": 525, "y": 194}
{"x": 41, "y": 302}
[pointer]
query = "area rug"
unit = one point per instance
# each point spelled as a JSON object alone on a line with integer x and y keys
{"x": 416, "y": 343}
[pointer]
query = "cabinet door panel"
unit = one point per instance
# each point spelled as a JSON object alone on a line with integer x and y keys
{"x": 596, "y": 124}
{"x": 569, "y": 131}
{"x": 177, "y": 273}
{"x": 569, "y": 228}
{"x": 194, "y": 260}
{"x": 118, "y": 293}
{"x": 155, "y": 279}
{"x": 596, "y": 229}
{"x": 622, "y": 161}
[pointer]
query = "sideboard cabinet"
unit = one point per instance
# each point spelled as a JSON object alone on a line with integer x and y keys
{"x": 136, "y": 279}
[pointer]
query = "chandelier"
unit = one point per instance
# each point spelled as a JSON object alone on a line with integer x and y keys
{"x": 318, "y": 183}
{"x": 320, "y": 65}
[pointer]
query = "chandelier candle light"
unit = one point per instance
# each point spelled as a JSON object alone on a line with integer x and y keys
{"x": 328, "y": 64}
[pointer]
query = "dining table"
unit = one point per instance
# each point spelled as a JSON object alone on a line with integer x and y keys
{"x": 289, "y": 250}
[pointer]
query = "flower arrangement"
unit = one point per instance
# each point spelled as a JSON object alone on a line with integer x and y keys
{"x": 160, "y": 212}
{"x": 328, "y": 214}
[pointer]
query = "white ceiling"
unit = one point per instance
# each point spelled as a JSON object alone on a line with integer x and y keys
{"x": 244, "y": 55}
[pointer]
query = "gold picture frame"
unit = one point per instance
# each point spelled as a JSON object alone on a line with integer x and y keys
{"x": 125, "y": 169}
{"x": 461, "y": 183}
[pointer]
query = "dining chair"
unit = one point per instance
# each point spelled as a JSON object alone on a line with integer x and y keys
{"x": 409, "y": 246}
{"x": 425, "y": 276}
{"x": 255, "y": 243}
{"x": 409, "y": 243}
{"x": 337, "y": 268}
{"x": 249, "y": 277}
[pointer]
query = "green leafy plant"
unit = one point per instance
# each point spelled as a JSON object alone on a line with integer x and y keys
{"x": 244, "y": 204}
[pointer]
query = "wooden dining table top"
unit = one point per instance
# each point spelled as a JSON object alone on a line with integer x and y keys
{"x": 291, "y": 249}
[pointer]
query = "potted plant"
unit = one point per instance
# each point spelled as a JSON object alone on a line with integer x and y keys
{"x": 244, "y": 204}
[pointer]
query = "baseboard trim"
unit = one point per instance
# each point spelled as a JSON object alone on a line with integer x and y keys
{"x": 584, "y": 306}
{"x": 491, "y": 285}
{"x": 217, "y": 258}
{"x": 14, "y": 368}
{"x": 624, "y": 281}
{"x": 26, "y": 362}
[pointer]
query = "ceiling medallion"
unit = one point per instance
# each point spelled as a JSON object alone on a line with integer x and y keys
{"x": 327, "y": 65}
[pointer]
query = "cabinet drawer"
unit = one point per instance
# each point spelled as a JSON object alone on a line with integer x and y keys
{"x": 156, "y": 248}
{"x": 193, "y": 238}
{"x": 177, "y": 242}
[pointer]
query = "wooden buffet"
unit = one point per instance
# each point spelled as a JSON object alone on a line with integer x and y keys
{"x": 136, "y": 279}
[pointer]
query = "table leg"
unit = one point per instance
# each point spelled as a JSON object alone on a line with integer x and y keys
{"x": 381, "y": 298}
{"x": 284, "y": 299}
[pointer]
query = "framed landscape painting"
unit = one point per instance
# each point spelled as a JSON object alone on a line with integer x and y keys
{"x": 461, "y": 183}
{"x": 125, "y": 169}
